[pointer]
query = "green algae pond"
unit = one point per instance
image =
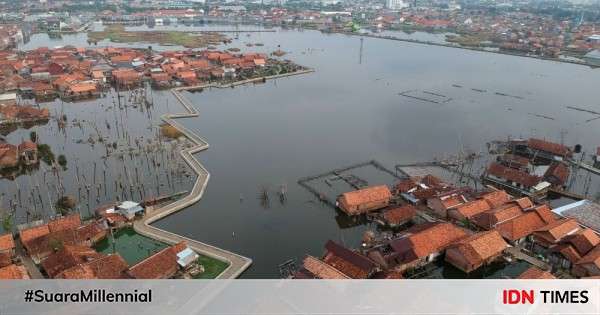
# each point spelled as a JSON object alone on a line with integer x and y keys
{"x": 132, "y": 246}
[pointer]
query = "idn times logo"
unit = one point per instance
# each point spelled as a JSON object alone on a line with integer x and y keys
{"x": 512, "y": 296}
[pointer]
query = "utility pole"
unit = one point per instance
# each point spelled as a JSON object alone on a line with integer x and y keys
{"x": 361, "y": 50}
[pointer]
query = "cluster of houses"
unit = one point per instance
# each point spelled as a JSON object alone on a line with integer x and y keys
{"x": 11, "y": 156}
{"x": 11, "y": 113}
{"x": 469, "y": 229}
{"x": 76, "y": 73}
{"x": 531, "y": 168}
{"x": 63, "y": 248}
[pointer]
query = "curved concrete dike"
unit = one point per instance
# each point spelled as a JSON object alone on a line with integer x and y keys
{"x": 237, "y": 263}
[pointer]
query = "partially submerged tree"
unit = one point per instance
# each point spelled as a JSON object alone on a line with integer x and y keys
{"x": 65, "y": 204}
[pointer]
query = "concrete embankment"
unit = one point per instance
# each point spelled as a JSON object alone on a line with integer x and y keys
{"x": 452, "y": 45}
{"x": 237, "y": 263}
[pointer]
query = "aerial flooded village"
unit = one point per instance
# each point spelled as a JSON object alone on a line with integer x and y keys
{"x": 220, "y": 139}
{"x": 499, "y": 224}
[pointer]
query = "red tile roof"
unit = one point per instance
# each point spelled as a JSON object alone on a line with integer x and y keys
{"x": 67, "y": 222}
{"x": 471, "y": 208}
{"x": 14, "y": 272}
{"x": 7, "y": 242}
{"x": 350, "y": 263}
{"x": 535, "y": 273}
{"x": 496, "y": 198}
{"x": 489, "y": 219}
{"x": 543, "y": 145}
{"x": 583, "y": 241}
{"x": 557, "y": 173}
{"x": 365, "y": 195}
{"x": 433, "y": 238}
{"x": 106, "y": 267}
{"x": 479, "y": 248}
{"x": 524, "y": 202}
{"x": 321, "y": 270}
{"x": 556, "y": 230}
{"x": 400, "y": 214}
{"x": 161, "y": 265}
{"x": 26, "y": 235}
{"x": 67, "y": 257}
{"x": 510, "y": 174}
{"x": 521, "y": 226}
{"x": 593, "y": 257}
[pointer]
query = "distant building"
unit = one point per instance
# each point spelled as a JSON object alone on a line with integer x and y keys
{"x": 594, "y": 39}
{"x": 593, "y": 57}
{"x": 395, "y": 4}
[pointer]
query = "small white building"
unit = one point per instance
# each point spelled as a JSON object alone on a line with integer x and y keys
{"x": 130, "y": 209}
{"x": 186, "y": 258}
{"x": 8, "y": 99}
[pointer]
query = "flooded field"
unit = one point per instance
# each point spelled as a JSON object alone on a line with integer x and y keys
{"x": 266, "y": 136}
{"x": 112, "y": 152}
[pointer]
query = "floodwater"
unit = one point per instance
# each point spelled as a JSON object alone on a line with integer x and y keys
{"x": 350, "y": 110}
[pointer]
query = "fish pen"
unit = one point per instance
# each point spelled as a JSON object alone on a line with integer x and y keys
{"x": 460, "y": 172}
{"x": 328, "y": 185}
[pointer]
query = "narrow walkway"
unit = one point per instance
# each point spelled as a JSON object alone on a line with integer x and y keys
{"x": 237, "y": 263}
{"x": 517, "y": 253}
{"x": 33, "y": 270}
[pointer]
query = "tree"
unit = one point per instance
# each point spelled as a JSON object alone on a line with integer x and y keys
{"x": 33, "y": 136}
{"x": 7, "y": 220}
{"x": 65, "y": 204}
{"x": 62, "y": 161}
{"x": 45, "y": 153}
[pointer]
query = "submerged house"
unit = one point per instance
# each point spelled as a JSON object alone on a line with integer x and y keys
{"x": 515, "y": 181}
{"x": 572, "y": 248}
{"x": 519, "y": 228}
{"x": 489, "y": 219}
{"x": 396, "y": 216}
{"x": 364, "y": 200}
{"x": 28, "y": 153}
{"x": 483, "y": 203}
{"x": 442, "y": 202}
{"x": 588, "y": 265}
{"x": 81, "y": 90}
{"x": 552, "y": 233}
{"x": 541, "y": 150}
{"x": 314, "y": 268}
{"x": 9, "y": 155}
{"x": 350, "y": 263}
{"x": 557, "y": 174}
{"x": 420, "y": 245}
{"x": 126, "y": 77}
{"x": 476, "y": 250}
